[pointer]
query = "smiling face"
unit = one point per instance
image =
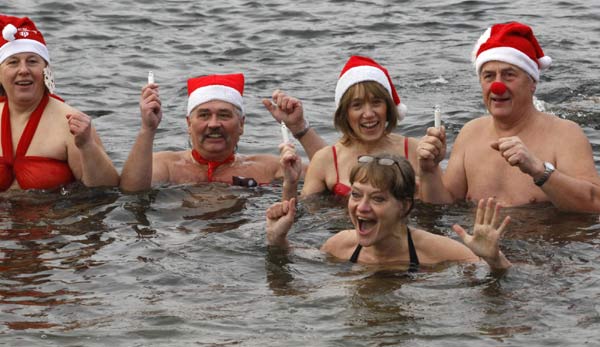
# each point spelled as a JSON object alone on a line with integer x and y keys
{"x": 22, "y": 77}
{"x": 517, "y": 99}
{"x": 366, "y": 113}
{"x": 215, "y": 128}
{"x": 381, "y": 197}
{"x": 375, "y": 213}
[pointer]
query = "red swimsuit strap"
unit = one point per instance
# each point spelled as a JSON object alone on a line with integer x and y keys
{"x": 28, "y": 132}
{"x": 212, "y": 165}
{"x": 337, "y": 174}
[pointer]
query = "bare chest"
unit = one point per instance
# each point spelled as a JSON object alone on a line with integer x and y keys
{"x": 191, "y": 172}
{"x": 490, "y": 175}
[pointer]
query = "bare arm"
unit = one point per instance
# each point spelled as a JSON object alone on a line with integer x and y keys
{"x": 290, "y": 111}
{"x": 86, "y": 155}
{"x": 291, "y": 166}
{"x": 280, "y": 218}
{"x": 434, "y": 184}
{"x": 314, "y": 181}
{"x": 574, "y": 185}
{"x": 138, "y": 169}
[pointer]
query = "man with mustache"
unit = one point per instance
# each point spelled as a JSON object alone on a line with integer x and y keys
{"x": 215, "y": 119}
{"x": 516, "y": 154}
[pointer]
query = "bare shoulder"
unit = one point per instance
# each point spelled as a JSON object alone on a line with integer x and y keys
{"x": 341, "y": 244}
{"x": 472, "y": 130}
{"x": 476, "y": 125}
{"x": 60, "y": 108}
{"x": 265, "y": 159}
{"x": 323, "y": 155}
{"x": 563, "y": 126}
{"x": 165, "y": 157}
{"x": 433, "y": 248}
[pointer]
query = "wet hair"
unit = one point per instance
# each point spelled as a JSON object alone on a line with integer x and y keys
{"x": 370, "y": 89}
{"x": 398, "y": 178}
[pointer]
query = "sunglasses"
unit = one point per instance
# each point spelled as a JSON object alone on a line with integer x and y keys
{"x": 365, "y": 159}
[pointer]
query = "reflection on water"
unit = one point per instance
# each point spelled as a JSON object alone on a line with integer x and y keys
{"x": 42, "y": 235}
{"x": 188, "y": 265}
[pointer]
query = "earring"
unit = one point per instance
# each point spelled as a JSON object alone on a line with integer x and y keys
{"x": 49, "y": 79}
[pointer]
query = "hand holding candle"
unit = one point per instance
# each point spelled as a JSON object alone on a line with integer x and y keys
{"x": 437, "y": 117}
{"x": 150, "y": 77}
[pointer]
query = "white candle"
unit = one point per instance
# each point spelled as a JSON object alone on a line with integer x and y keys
{"x": 284, "y": 133}
{"x": 437, "y": 117}
{"x": 150, "y": 77}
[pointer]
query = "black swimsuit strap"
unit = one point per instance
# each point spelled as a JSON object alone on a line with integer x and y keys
{"x": 412, "y": 252}
{"x": 354, "y": 256}
{"x": 414, "y": 259}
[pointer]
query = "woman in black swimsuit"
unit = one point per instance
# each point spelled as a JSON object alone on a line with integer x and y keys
{"x": 381, "y": 199}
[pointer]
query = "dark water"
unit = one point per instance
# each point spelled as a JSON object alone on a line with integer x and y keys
{"x": 185, "y": 265}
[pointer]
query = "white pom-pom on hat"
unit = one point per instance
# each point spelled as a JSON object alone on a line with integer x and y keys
{"x": 402, "y": 110}
{"x": 19, "y": 35}
{"x": 9, "y": 32}
{"x": 544, "y": 62}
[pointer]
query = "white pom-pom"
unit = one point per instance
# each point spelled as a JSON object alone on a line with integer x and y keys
{"x": 544, "y": 62}
{"x": 9, "y": 32}
{"x": 402, "y": 111}
{"x": 482, "y": 39}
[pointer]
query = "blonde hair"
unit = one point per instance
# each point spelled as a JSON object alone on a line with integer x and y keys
{"x": 370, "y": 89}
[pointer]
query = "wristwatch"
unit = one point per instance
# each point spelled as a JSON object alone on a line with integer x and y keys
{"x": 549, "y": 169}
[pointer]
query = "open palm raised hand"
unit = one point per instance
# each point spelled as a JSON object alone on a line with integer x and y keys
{"x": 487, "y": 231}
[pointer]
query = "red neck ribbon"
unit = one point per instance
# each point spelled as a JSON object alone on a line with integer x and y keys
{"x": 212, "y": 165}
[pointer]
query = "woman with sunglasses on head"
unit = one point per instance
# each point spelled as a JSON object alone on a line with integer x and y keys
{"x": 368, "y": 109}
{"x": 381, "y": 198}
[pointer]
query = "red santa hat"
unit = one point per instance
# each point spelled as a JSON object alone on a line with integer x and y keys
{"x": 20, "y": 35}
{"x": 360, "y": 69}
{"x": 512, "y": 43}
{"x": 228, "y": 88}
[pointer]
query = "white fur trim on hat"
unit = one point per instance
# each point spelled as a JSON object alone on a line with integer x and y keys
{"x": 215, "y": 92}
{"x": 22, "y": 46}
{"x": 360, "y": 74}
{"x": 508, "y": 55}
{"x": 402, "y": 111}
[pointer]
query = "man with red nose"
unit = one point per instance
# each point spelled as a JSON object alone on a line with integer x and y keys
{"x": 215, "y": 122}
{"x": 516, "y": 154}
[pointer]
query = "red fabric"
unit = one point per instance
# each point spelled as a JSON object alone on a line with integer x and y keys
{"x": 235, "y": 81}
{"x": 516, "y": 35}
{"x": 357, "y": 60}
{"x": 25, "y": 29}
{"x": 341, "y": 189}
{"x": 31, "y": 172}
{"x": 212, "y": 165}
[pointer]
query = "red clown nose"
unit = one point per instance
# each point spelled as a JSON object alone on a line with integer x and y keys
{"x": 498, "y": 88}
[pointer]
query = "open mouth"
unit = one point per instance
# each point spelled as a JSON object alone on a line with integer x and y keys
{"x": 24, "y": 83}
{"x": 369, "y": 125}
{"x": 499, "y": 99}
{"x": 214, "y": 136}
{"x": 365, "y": 225}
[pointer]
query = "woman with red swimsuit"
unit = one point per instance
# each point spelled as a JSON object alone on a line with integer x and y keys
{"x": 368, "y": 110}
{"x": 66, "y": 147}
